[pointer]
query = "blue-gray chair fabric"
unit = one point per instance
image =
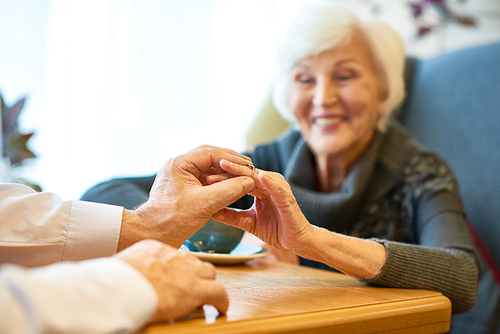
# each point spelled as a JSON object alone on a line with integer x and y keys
{"x": 453, "y": 108}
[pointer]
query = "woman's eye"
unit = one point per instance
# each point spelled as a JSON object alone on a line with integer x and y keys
{"x": 304, "y": 79}
{"x": 344, "y": 76}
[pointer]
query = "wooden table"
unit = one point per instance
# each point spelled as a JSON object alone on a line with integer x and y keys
{"x": 275, "y": 297}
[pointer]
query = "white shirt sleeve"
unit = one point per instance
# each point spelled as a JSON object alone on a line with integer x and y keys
{"x": 94, "y": 296}
{"x": 40, "y": 228}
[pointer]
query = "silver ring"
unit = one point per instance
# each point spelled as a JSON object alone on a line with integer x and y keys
{"x": 253, "y": 169}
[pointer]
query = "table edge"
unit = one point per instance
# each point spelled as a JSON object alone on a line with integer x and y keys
{"x": 434, "y": 313}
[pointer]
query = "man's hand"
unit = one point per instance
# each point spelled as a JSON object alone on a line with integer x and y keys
{"x": 181, "y": 200}
{"x": 182, "y": 282}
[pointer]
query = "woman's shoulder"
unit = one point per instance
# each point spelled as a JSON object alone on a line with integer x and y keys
{"x": 401, "y": 147}
{"x": 421, "y": 165}
{"x": 397, "y": 137}
{"x": 430, "y": 171}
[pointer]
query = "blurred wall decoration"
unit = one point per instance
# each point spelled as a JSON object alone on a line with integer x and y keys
{"x": 13, "y": 144}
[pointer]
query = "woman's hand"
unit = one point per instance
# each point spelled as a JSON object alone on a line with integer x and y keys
{"x": 275, "y": 216}
{"x": 277, "y": 219}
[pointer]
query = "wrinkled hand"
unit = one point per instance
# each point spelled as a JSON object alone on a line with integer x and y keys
{"x": 182, "y": 282}
{"x": 181, "y": 200}
{"x": 275, "y": 216}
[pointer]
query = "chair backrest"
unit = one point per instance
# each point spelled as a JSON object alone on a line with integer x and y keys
{"x": 453, "y": 108}
{"x": 267, "y": 125}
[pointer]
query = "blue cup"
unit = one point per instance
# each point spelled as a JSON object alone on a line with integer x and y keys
{"x": 215, "y": 237}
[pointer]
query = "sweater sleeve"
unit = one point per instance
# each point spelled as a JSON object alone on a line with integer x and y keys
{"x": 444, "y": 258}
{"x": 453, "y": 272}
{"x": 93, "y": 296}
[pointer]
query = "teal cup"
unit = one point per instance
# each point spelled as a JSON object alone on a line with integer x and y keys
{"x": 215, "y": 237}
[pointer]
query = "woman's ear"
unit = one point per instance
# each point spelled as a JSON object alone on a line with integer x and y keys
{"x": 381, "y": 120}
{"x": 383, "y": 91}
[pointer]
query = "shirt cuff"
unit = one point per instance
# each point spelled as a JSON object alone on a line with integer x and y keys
{"x": 93, "y": 231}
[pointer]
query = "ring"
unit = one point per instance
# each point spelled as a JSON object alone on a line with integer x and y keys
{"x": 253, "y": 169}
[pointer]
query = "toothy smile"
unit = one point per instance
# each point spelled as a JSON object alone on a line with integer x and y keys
{"x": 325, "y": 121}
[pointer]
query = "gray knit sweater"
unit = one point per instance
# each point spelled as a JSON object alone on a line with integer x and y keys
{"x": 399, "y": 194}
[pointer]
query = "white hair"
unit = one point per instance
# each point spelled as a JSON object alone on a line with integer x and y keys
{"x": 324, "y": 26}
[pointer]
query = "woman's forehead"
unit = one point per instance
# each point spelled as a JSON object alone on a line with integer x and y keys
{"x": 355, "y": 51}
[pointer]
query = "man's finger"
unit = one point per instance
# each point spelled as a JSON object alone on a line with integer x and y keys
{"x": 211, "y": 179}
{"x": 221, "y": 194}
{"x": 196, "y": 161}
{"x": 205, "y": 270}
{"x": 213, "y": 293}
{"x": 222, "y": 149}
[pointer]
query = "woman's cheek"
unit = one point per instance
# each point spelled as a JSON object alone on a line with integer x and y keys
{"x": 359, "y": 100}
{"x": 298, "y": 105}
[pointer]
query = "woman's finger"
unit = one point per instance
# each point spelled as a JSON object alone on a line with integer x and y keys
{"x": 236, "y": 169}
{"x": 276, "y": 186}
{"x": 238, "y": 218}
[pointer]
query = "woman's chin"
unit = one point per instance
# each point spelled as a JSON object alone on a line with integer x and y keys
{"x": 328, "y": 145}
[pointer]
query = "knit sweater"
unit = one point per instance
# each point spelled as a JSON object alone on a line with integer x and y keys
{"x": 398, "y": 194}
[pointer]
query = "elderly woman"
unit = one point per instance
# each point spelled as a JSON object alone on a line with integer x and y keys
{"x": 350, "y": 189}
{"x": 358, "y": 193}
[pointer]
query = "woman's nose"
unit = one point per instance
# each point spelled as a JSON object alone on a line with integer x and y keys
{"x": 325, "y": 93}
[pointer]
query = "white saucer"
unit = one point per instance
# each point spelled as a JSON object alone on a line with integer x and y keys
{"x": 241, "y": 254}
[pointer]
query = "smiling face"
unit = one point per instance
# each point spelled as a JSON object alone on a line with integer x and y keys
{"x": 335, "y": 96}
